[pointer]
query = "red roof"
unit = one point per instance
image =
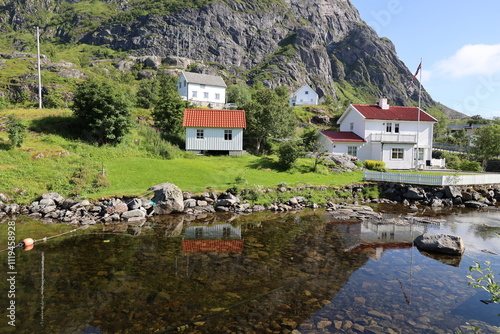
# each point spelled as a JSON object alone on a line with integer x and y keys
{"x": 212, "y": 118}
{"x": 394, "y": 113}
{"x": 207, "y": 246}
{"x": 343, "y": 136}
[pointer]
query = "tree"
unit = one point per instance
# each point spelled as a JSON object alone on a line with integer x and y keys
{"x": 486, "y": 143}
{"x": 16, "y": 130}
{"x": 169, "y": 109}
{"x": 103, "y": 111}
{"x": 148, "y": 94}
{"x": 268, "y": 116}
{"x": 238, "y": 94}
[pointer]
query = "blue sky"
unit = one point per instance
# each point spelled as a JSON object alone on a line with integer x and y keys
{"x": 458, "y": 41}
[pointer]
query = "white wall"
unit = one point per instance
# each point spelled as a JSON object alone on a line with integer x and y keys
{"x": 186, "y": 90}
{"x": 301, "y": 98}
{"x": 214, "y": 140}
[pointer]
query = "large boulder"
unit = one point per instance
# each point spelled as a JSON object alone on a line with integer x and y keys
{"x": 440, "y": 243}
{"x": 167, "y": 198}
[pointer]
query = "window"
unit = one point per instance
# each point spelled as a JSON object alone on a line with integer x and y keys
{"x": 228, "y": 134}
{"x": 396, "y": 127}
{"x": 198, "y": 232}
{"x": 388, "y": 127}
{"x": 307, "y": 92}
{"x": 419, "y": 155}
{"x": 351, "y": 126}
{"x": 226, "y": 232}
{"x": 202, "y": 86}
{"x": 397, "y": 154}
{"x": 352, "y": 150}
{"x": 217, "y": 96}
{"x": 195, "y": 93}
{"x": 205, "y": 95}
{"x": 185, "y": 83}
{"x": 200, "y": 134}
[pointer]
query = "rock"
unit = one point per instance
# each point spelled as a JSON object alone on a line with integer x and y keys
{"x": 58, "y": 199}
{"x": 440, "y": 243}
{"x": 4, "y": 198}
{"x": 11, "y": 209}
{"x": 475, "y": 204}
{"x": 133, "y": 213}
{"x": 134, "y": 204}
{"x": 117, "y": 207}
{"x": 168, "y": 198}
{"x": 190, "y": 203}
{"x": 46, "y": 202}
{"x": 452, "y": 192}
{"x": 414, "y": 194}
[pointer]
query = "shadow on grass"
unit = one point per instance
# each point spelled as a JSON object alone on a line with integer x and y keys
{"x": 5, "y": 146}
{"x": 64, "y": 126}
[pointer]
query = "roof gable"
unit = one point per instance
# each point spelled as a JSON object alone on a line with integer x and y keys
{"x": 304, "y": 88}
{"x": 213, "y": 118}
{"x": 394, "y": 113}
{"x": 342, "y": 136}
{"x": 204, "y": 79}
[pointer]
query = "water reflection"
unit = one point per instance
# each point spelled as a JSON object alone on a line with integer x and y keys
{"x": 258, "y": 273}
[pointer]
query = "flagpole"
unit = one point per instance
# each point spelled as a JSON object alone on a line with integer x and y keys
{"x": 418, "y": 111}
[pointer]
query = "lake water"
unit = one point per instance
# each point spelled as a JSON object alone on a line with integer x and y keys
{"x": 262, "y": 273}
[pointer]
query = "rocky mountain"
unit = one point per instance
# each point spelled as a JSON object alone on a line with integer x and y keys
{"x": 279, "y": 42}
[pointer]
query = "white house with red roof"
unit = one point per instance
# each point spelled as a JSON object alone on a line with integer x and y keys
{"x": 399, "y": 136}
{"x": 214, "y": 130}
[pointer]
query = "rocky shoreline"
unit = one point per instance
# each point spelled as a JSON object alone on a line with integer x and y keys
{"x": 170, "y": 199}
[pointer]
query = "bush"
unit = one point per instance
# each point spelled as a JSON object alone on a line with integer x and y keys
{"x": 103, "y": 111}
{"x": 288, "y": 153}
{"x": 16, "y": 130}
{"x": 375, "y": 165}
{"x": 470, "y": 166}
{"x": 158, "y": 146}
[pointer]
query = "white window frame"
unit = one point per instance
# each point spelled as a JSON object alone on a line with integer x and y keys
{"x": 397, "y": 153}
{"x": 228, "y": 134}
{"x": 200, "y": 134}
{"x": 217, "y": 96}
{"x": 351, "y": 126}
{"x": 388, "y": 127}
{"x": 205, "y": 95}
{"x": 195, "y": 93}
{"x": 396, "y": 127}
{"x": 420, "y": 154}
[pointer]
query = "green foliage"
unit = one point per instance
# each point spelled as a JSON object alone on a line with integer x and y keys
{"x": 103, "y": 111}
{"x": 486, "y": 281}
{"x": 16, "y": 130}
{"x": 156, "y": 145}
{"x": 470, "y": 166}
{"x": 3, "y": 103}
{"x": 148, "y": 94}
{"x": 238, "y": 94}
{"x": 375, "y": 165}
{"x": 54, "y": 100}
{"x": 486, "y": 143}
{"x": 268, "y": 116}
{"x": 288, "y": 153}
{"x": 169, "y": 109}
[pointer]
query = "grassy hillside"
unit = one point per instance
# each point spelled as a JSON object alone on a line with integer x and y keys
{"x": 53, "y": 160}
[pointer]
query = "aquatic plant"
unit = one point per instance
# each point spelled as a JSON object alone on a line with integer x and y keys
{"x": 486, "y": 281}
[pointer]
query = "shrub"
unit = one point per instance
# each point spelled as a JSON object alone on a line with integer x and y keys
{"x": 375, "y": 165}
{"x": 288, "y": 153}
{"x": 16, "y": 130}
{"x": 470, "y": 166}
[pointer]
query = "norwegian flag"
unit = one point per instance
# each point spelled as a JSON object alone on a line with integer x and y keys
{"x": 416, "y": 73}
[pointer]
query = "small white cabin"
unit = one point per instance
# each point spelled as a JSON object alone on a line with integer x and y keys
{"x": 305, "y": 95}
{"x": 214, "y": 131}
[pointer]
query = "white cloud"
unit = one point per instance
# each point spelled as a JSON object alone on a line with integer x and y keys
{"x": 472, "y": 59}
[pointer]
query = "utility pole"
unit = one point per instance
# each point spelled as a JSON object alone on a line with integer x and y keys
{"x": 39, "y": 71}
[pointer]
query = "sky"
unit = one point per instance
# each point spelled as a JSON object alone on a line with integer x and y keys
{"x": 458, "y": 42}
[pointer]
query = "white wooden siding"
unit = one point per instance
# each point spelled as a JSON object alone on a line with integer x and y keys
{"x": 214, "y": 140}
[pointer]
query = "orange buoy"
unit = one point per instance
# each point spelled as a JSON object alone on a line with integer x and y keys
{"x": 28, "y": 243}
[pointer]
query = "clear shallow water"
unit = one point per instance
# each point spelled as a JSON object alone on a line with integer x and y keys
{"x": 255, "y": 274}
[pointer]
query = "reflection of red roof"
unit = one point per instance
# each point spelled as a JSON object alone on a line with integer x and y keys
{"x": 212, "y": 118}
{"x": 207, "y": 246}
{"x": 394, "y": 113}
{"x": 342, "y": 136}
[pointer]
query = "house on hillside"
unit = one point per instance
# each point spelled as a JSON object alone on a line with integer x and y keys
{"x": 214, "y": 131}
{"x": 305, "y": 95}
{"x": 399, "y": 136}
{"x": 203, "y": 90}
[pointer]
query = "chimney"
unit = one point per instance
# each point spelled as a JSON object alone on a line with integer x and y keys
{"x": 383, "y": 104}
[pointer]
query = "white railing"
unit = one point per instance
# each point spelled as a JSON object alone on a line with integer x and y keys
{"x": 439, "y": 163}
{"x": 392, "y": 138}
{"x": 433, "y": 180}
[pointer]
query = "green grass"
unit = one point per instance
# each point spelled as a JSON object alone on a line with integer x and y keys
{"x": 53, "y": 159}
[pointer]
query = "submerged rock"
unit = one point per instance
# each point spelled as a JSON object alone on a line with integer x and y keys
{"x": 440, "y": 243}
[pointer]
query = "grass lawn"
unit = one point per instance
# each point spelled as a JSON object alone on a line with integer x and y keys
{"x": 132, "y": 176}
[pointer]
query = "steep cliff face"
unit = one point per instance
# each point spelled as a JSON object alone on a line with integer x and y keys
{"x": 321, "y": 42}
{"x": 280, "y": 42}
